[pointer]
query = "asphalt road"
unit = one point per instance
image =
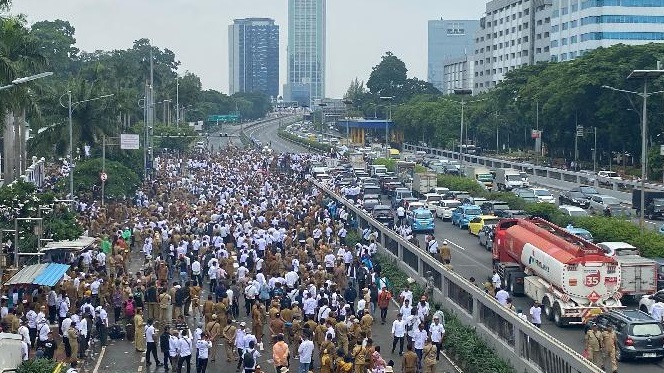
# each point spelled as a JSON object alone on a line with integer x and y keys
{"x": 267, "y": 133}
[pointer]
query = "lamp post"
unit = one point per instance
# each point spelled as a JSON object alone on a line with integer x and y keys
{"x": 463, "y": 93}
{"x": 71, "y": 135}
{"x": 389, "y": 99}
{"x": 645, "y": 75}
{"x": 322, "y": 106}
{"x": 348, "y": 103}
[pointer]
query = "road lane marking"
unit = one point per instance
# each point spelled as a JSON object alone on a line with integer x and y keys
{"x": 99, "y": 358}
{"x": 457, "y": 246}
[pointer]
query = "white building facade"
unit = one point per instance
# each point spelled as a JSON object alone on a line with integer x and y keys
{"x": 513, "y": 33}
{"x": 579, "y": 26}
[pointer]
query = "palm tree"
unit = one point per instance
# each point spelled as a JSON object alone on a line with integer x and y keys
{"x": 19, "y": 55}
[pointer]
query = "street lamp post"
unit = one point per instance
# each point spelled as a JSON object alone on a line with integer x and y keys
{"x": 389, "y": 99}
{"x": 348, "y": 103}
{"x": 645, "y": 75}
{"x": 463, "y": 93}
{"x": 71, "y": 135}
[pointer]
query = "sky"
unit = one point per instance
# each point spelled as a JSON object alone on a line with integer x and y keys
{"x": 359, "y": 32}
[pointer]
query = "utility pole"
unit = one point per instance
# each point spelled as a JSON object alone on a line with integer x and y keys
{"x": 595, "y": 152}
{"x": 71, "y": 151}
{"x": 177, "y": 101}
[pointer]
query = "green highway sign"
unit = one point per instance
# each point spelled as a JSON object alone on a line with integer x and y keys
{"x": 224, "y": 118}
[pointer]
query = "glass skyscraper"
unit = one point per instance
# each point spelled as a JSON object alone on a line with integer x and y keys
{"x": 253, "y": 45}
{"x": 306, "y": 51}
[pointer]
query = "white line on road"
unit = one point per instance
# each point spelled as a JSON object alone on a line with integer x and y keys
{"x": 457, "y": 246}
{"x": 140, "y": 368}
{"x": 99, "y": 358}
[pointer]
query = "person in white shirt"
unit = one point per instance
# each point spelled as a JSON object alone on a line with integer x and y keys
{"x": 212, "y": 274}
{"x": 25, "y": 351}
{"x": 495, "y": 279}
{"x": 203, "y": 346}
{"x": 536, "y": 314}
{"x": 305, "y": 351}
{"x": 42, "y": 332}
{"x": 291, "y": 279}
{"x": 32, "y": 325}
{"x": 501, "y": 296}
{"x": 151, "y": 344}
{"x": 419, "y": 338}
{"x": 173, "y": 348}
{"x": 185, "y": 347}
{"x": 437, "y": 333}
{"x": 407, "y": 294}
{"x": 398, "y": 333}
{"x": 196, "y": 271}
{"x": 24, "y": 332}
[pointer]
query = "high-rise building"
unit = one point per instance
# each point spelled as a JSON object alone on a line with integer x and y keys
{"x": 580, "y": 26}
{"x": 513, "y": 33}
{"x": 253, "y": 52}
{"x": 306, "y": 51}
{"x": 449, "y": 41}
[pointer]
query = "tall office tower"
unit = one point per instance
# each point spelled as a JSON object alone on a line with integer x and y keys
{"x": 306, "y": 51}
{"x": 451, "y": 42}
{"x": 253, "y": 53}
{"x": 512, "y": 33}
{"x": 581, "y": 26}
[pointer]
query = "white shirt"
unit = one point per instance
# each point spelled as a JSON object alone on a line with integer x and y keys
{"x": 23, "y": 331}
{"x": 407, "y": 294}
{"x": 536, "y": 315}
{"x": 291, "y": 278}
{"x": 437, "y": 332}
{"x": 149, "y": 333}
{"x": 502, "y": 296}
{"x": 399, "y": 328}
{"x": 32, "y": 319}
{"x": 66, "y": 323}
{"x": 305, "y": 351}
{"x": 196, "y": 267}
{"x": 184, "y": 345}
{"x": 83, "y": 327}
{"x": 495, "y": 279}
{"x": 657, "y": 311}
{"x": 419, "y": 337}
{"x": 173, "y": 345}
{"x": 203, "y": 348}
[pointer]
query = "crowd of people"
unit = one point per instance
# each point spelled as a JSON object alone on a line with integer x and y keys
{"x": 235, "y": 249}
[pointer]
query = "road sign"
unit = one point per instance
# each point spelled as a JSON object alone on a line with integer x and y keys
{"x": 224, "y": 118}
{"x": 579, "y": 131}
{"x": 130, "y": 141}
{"x": 593, "y": 297}
{"x": 535, "y": 134}
{"x": 103, "y": 176}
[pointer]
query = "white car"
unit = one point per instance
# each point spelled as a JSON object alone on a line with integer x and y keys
{"x": 544, "y": 195}
{"x": 431, "y": 200}
{"x": 570, "y": 210}
{"x": 440, "y": 190}
{"x": 609, "y": 175}
{"x": 445, "y": 208}
{"x": 647, "y": 301}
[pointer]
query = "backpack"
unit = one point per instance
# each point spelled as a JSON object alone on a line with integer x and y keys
{"x": 264, "y": 292}
{"x": 248, "y": 360}
{"x": 250, "y": 260}
{"x": 129, "y": 309}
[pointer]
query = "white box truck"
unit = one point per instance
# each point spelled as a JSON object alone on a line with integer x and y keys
{"x": 423, "y": 183}
{"x": 507, "y": 179}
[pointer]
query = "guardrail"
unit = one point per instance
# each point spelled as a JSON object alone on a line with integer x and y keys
{"x": 618, "y": 188}
{"x": 527, "y": 348}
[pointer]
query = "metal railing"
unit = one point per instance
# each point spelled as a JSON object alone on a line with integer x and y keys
{"x": 526, "y": 347}
{"x": 544, "y": 175}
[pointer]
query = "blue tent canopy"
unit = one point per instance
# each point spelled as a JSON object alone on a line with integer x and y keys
{"x": 39, "y": 274}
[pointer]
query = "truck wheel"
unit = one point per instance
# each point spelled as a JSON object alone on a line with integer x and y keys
{"x": 651, "y": 216}
{"x": 548, "y": 311}
{"x": 558, "y": 317}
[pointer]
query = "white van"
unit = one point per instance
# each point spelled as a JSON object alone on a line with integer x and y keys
{"x": 378, "y": 170}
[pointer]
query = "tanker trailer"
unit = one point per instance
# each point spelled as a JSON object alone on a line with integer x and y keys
{"x": 569, "y": 276}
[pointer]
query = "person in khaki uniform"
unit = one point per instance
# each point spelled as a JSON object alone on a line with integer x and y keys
{"x": 609, "y": 345}
{"x": 164, "y": 304}
{"x": 359, "y": 355}
{"x": 429, "y": 357}
{"x": 342, "y": 336}
{"x": 208, "y": 308}
{"x": 365, "y": 324}
{"x": 229, "y": 332}
{"x": 409, "y": 361}
{"x": 354, "y": 332}
{"x": 213, "y": 329}
{"x": 593, "y": 345}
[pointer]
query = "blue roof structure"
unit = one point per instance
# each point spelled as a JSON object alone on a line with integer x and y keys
{"x": 39, "y": 274}
{"x": 51, "y": 275}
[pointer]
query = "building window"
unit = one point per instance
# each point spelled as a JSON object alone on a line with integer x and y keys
{"x": 573, "y": 24}
{"x": 525, "y": 25}
{"x": 565, "y": 25}
{"x": 525, "y": 39}
{"x": 526, "y": 11}
{"x": 554, "y": 28}
{"x": 554, "y": 43}
{"x": 563, "y": 41}
{"x": 547, "y": 20}
{"x": 555, "y": 13}
{"x": 546, "y": 49}
{"x": 573, "y": 39}
{"x": 512, "y": 42}
{"x": 564, "y": 10}
{"x": 539, "y": 22}
{"x": 539, "y": 36}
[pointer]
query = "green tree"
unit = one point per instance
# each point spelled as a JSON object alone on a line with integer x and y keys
{"x": 122, "y": 181}
{"x": 388, "y": 77}
{"x": 57, "y": 42}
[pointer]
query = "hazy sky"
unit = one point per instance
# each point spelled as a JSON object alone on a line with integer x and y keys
{"x": 358, "y": 31}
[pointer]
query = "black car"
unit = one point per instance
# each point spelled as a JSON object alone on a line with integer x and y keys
{"x": 586, "y": 190}
{"x": 574, "y": 198}
{"x": 511, "y": 214}
{"x": 655, "y": 209}
{"x": 490, "y": 207}
{"x": 383, "y": 213}
{"x": 638, "y": 335}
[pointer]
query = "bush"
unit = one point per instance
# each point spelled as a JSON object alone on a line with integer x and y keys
{"x": 352, "y": 238}
{"x": 37, "y": 366}
{"x": 461, "y": 342}
{"x": 461, "y": 183}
